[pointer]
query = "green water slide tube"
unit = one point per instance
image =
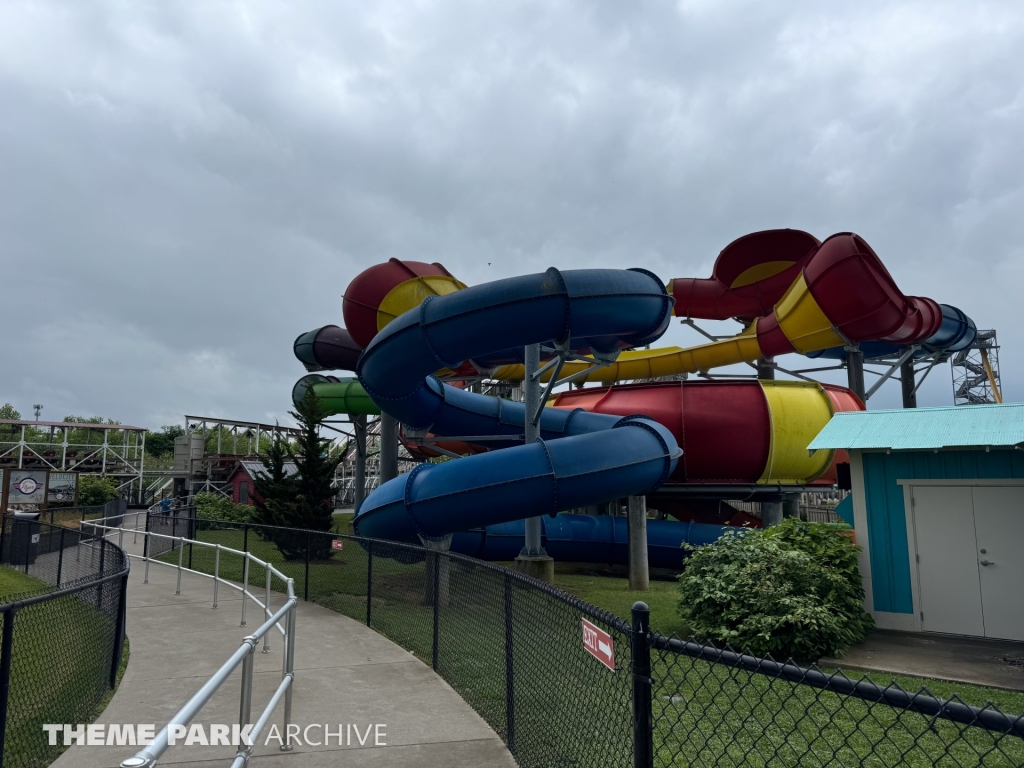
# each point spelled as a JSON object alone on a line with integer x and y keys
{"x": 337, "y": 395}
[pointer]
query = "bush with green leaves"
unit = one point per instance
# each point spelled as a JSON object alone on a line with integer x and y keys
{"x": 95, "y": 489}
{"x": 792, "y": 590}
{"x": 213, "y": 506}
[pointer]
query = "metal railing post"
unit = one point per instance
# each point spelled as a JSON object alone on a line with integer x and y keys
{"x": 245, "y": 705}
{"x": 216, "y": 573}
{"x": 369, "y": 580}
{"x": 640, "y": 653}
{"x": 266, "y": 637}
{"x": 245, "y": 586}
{"x": 510, "y": 699}
{"x": 181, "y": 555}
{"x": 6, "y": 647}
{"x": 145, "y": 551}
{"x": 289, "y": 666}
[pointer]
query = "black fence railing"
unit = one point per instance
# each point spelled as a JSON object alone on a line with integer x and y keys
{"x": 513, "y": 648}
{"x": 63, "y": 633}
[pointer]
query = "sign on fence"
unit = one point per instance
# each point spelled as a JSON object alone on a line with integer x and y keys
{"x": 599, "y": 644}
{"x": 337, "y": 544}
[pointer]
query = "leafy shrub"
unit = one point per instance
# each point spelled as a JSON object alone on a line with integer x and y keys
{"x": 213, "y": 506}
{"x": 792, "y": 590}
{"x": 95, "y": 489}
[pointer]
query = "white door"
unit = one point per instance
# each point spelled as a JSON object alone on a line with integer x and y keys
{"x": 999, "y": 525}
{"x": 947, "y": 563}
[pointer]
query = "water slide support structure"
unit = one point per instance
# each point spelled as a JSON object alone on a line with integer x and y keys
{"x": 359, "y": 430}
{"x": 533, "y": 559}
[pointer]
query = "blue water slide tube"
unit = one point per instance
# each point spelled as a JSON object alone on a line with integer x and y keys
{"x": 957, "y": 332}
{"x": 589, "y": 538}
{"x": 580, "y": 459}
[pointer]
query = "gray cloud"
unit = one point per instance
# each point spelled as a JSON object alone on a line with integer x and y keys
{"x": 186, "y": 187}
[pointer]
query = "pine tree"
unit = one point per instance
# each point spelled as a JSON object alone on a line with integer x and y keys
{"x": 303, "y": 501}
{"x": 275, "y": 494}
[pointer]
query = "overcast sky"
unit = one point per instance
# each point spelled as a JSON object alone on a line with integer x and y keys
{"x": 186, "y": 187}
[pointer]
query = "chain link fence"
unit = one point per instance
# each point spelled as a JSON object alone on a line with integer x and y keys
{"x": 63, "y": 634}
{"x": 512, "y": 647}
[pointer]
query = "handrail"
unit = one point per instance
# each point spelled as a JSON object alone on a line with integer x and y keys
{"x": 148, "y": 757}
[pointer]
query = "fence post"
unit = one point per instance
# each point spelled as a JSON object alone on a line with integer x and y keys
{"x": 100, "y": 587}
{"x": 436, "y": 597}
{"x": 245, "y": 538}
{"x": 510, "y": 702}
{"x": 122, "y": 613}
{"x": 369, "y": 580}
{"x": 305, "y": 591}
{"x": 60, "y": 555}
{"x": 640, "y": 653}
{"x": 3, "y": 537}
{"x": 6, "y": 646}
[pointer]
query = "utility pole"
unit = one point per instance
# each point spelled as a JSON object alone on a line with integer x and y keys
{"x": 38, "y": 408}
{"x": 533, "y": 560}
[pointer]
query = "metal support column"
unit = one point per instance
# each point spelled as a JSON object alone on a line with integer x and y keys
{"x": 855, "y": 371}
{"x": 359, "y": 492}
{"x": 388, "y": 447}
{"x": 771, "y": 513}
{"x": 791, "y": 505}
{"x": 639, "y": 573}
{"x": 766, "y": 368}
{"x": 533, "y": 560}
{"x": 907, "y": 381}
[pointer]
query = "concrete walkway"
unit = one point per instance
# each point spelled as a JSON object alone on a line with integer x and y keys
{"x": 345, "y": 673}
{"x": 992, "y": 663}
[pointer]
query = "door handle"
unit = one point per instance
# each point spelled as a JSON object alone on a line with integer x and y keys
{"x": 986, "y": 562}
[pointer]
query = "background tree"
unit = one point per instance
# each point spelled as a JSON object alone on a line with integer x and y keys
{"x": 162, "y": 443}
{"x": 95, "y": 489}
{"x": 8, "y": 411}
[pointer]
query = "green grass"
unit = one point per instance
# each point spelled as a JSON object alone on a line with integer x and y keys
{"x": 14, "y": 582}
{"x": 607, "y": 588}
{"x": 704, "y": 714}
{"x": 60, "y": 668}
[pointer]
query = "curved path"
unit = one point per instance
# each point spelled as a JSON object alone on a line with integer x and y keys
{"x": 345, "y": 673}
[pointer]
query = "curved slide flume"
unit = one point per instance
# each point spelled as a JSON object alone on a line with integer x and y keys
{"x": 581, "y": 458}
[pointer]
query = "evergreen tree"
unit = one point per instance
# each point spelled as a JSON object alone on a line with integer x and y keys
{"x": 275, "y": 494}
{"x": 302, "y": 501}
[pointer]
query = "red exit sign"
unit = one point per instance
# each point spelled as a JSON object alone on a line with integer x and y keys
{"x": 598, "y": 644}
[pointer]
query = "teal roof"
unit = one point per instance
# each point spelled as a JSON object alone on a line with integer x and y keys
{"x": 924, "y": 428}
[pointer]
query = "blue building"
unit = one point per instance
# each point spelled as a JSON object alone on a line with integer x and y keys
{"x": 938, "y": 508}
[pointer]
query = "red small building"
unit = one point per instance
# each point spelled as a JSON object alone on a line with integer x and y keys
{"x": 241, "y": 480}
